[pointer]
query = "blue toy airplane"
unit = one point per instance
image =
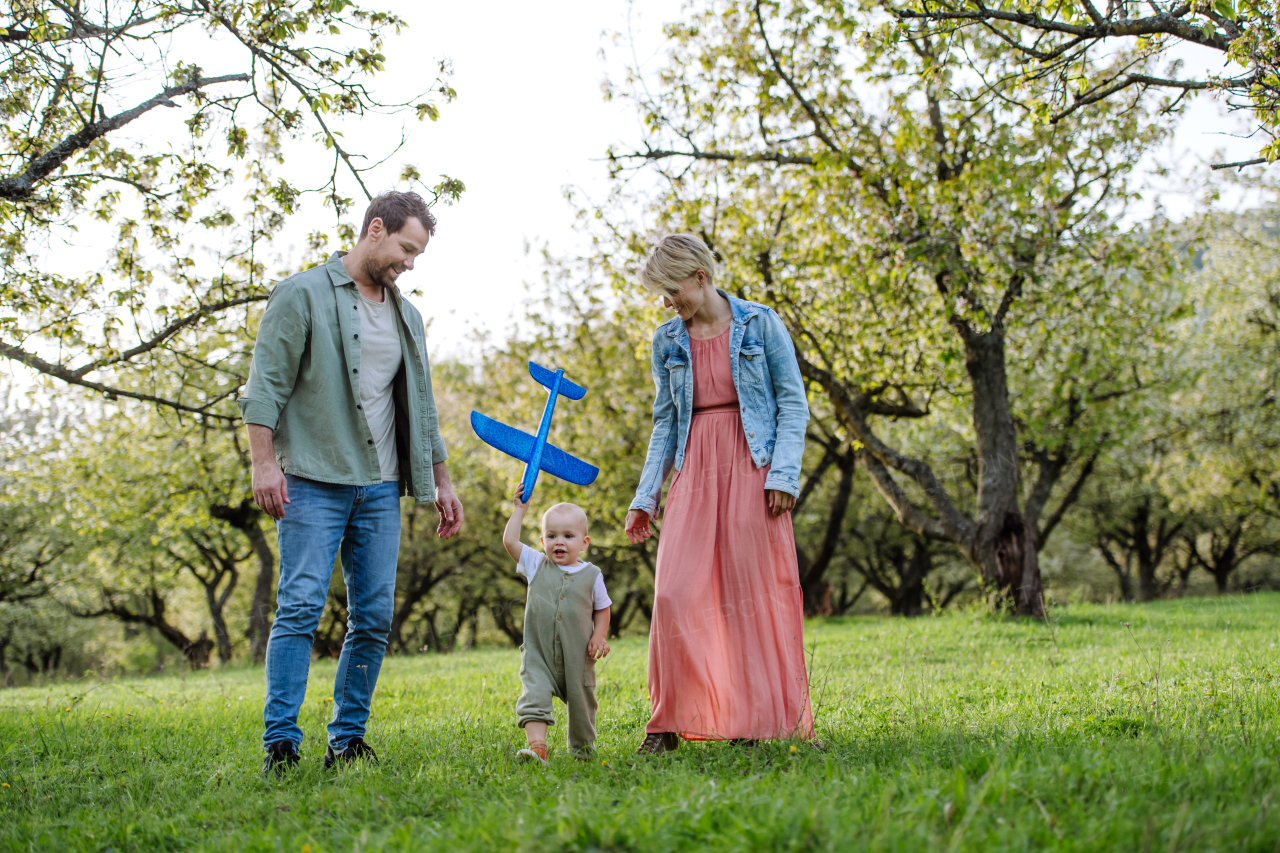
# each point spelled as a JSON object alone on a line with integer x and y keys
{"x": 534, "y": 450}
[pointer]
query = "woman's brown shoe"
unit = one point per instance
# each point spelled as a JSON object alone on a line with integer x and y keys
{"x": 656, "y": 743}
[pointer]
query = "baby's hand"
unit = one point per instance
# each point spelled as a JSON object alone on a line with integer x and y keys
{"x": 596, "y": 649}
{"x": 520, "y": 494}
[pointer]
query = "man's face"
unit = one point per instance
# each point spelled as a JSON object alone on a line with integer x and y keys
{"x": 392, "y": 254}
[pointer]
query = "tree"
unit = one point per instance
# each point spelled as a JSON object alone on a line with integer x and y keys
{"x": 927, "y": 242}
{"x": 1137, "y": 534}
{"x": 1223, "y": 435}
{"x": 155, "y": 503}
{"x": 1083, "y": 53}
{"x": 1223, "y": 541}
{"x": 77, "y": 81}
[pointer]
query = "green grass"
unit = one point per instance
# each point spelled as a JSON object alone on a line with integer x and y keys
{"x": 1134, "y": 728}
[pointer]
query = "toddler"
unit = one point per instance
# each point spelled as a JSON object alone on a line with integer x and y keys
{"x": 566, "y": 617}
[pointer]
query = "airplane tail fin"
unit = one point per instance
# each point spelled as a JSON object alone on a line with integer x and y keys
{"x": 548, "y": 378}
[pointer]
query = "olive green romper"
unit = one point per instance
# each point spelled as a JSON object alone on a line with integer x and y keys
{"x": 553, "y": 658}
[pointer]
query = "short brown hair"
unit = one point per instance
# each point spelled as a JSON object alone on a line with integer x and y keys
{"x": 394, "y": 209}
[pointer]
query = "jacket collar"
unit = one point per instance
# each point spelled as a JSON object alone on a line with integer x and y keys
{"x": 341, "y": 278}
{"x": 741, "y": 309}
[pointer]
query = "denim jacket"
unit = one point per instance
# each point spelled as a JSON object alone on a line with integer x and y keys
{"x": 771, "y": 397}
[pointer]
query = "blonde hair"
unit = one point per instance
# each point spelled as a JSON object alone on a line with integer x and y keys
{"x": 674, "y": 259}
{"x": 572, "y": 509}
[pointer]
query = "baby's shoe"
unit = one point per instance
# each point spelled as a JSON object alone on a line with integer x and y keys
{"x": 534, "y": 752}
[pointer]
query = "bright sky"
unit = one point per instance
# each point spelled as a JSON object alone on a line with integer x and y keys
{"x": 530, "y": 119}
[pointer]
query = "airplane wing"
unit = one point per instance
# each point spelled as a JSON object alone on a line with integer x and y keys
{"x": 509, "y": 440}
{"x": 548, "y": 378}
{"x": 569, "y": 468}
{"x": 513, "y": 442}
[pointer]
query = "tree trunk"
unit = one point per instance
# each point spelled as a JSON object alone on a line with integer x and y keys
{"x": 1220, "y": 578}
{"x": 197, "y": 653}
{"x": 1121, "y": 571}
{"x": 1005, "y": 546}
{"x": 263, "y": 604}
{"x": 1148, "y": 557}
{"x": 910, "y": 599}
{"x": 815, "y": 590}
{"x": 221, "y": 635}
{"x": 244, "y": 517}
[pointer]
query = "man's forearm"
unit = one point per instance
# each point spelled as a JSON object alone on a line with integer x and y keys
{"x": 262, "y": 448}
{"x": 440, "y": 471}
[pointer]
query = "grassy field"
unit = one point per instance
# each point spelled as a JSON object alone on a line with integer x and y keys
{"x": 1135, "y": 728}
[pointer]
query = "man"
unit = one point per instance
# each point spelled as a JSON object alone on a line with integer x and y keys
{"x": 342, "y": 422}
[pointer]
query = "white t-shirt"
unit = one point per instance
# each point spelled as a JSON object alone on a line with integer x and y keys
{"x": 380, "y": 359}
{"x": 530, "y": 559}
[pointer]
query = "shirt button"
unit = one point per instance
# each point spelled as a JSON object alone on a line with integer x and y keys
{"x": 562, "y": 598}
{"x": 358, "y": 406}
{"x": 357, "y": 337}
{"x": 371, "y": 441}
{"x": 558, "y": 618}
{"x": 753, "y": 435}
{"x": 355, "y": 370}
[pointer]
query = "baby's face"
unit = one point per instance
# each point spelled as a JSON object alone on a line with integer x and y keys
{"x": 564, "y": 536}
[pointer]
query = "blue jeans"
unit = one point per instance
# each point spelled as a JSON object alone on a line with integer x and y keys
{"x": 365, "y": 521}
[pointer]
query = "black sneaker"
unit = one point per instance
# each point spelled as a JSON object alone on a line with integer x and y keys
{"x": 355, "y": 748}
{"x": 281, "y": 755}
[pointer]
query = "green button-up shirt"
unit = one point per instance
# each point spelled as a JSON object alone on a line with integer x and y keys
{"x": 304, "y": 383}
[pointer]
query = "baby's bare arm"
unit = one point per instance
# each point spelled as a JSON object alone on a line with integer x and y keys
{"x": 597, "y": 647}
{"x": 511, "y": 533}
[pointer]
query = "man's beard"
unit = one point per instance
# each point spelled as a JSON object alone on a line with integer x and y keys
{"x": 383, "y": 275}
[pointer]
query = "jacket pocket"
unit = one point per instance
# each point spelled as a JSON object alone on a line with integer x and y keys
{"x": 751, "y": 366}
{"x": 676, "y": 373}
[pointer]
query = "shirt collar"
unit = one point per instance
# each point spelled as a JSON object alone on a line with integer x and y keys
{"x": 341, "y": 278}
{"x": 337, "y": 272}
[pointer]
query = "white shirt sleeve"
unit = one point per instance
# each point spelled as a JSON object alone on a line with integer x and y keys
{"x": 528, "y": 563}
{"x": 599, "y": 595}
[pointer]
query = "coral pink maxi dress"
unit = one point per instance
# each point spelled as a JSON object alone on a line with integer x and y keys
{"x": 726, "y": 648}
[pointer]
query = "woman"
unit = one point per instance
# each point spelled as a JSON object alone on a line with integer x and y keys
{"x": 726, "y": 650}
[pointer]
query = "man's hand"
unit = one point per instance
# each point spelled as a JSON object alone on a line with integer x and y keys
{"x": 270, "y": 490}
{"x": 779, "y": 502}
{"x": 450, "y": 509}
{"x": 637, "y": 526}
{"x": 447, "y": 503}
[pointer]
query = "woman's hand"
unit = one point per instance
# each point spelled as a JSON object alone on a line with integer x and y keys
{"x": 779, "y": 502}
{"x": 637, "y": 526}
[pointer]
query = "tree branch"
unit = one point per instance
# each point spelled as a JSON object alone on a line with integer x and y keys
{"x": 69, "y": 376}
{"x": 1162, "y": 23}
{"x": 951, "y": 524}
{"x": 814, "y": 115}
{"x": 166, "y": 333}
{"x": 23, "y": 185}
